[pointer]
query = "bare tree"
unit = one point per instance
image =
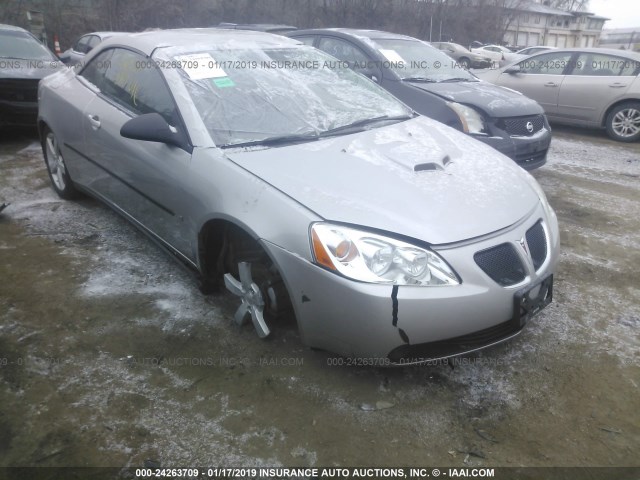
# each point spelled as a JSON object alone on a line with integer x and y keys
{"x": 461, "y": 20}
{"x": 570, "y": 5}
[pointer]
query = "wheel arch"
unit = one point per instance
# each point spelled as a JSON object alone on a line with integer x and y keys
{"x": 42, "y": 124}
{"x": 603, "y": 120}
{"x": 216, "y": 250}
{"x": 211, "y": 242}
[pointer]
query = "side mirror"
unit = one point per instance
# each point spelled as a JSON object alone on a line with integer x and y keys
{"x": 151, "y": 127}
{"x": 513, "y": 70}
{"x": 370, "y": 73}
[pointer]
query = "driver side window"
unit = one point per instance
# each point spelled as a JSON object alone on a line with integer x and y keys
{"x": 133, "y": 82}
{"x": 342, "y": 51}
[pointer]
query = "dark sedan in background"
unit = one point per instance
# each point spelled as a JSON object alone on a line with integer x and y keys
{"x": 274, "y": 28}
{"x": 465, "y": 57}
{"x": 23, "y": 62}
{"x": 435, "y": 86}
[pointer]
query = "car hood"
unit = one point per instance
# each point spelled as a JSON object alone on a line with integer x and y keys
{"x": 29, "y": 69}
{"x": 417, "y": 178}
{"x": 493, "y": 100}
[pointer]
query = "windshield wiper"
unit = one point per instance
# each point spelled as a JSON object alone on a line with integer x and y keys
{"x": 420, "y": 79}
{"x": 360, "y": 124}
{"x": 457, "y": 79}
{"x": 275, "y": 141}
{"x": 310, "y": 137}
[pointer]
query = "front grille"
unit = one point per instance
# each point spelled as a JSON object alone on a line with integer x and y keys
{"x": 407, "y": 354}
{"x": 502, "y": 264}
{"x": 530, "y": 157}
{"x": 517, "y": 126}
{"x": 19, "y": 90}
{"x": 537, "y": 242}
{"x": 529, "y": 161}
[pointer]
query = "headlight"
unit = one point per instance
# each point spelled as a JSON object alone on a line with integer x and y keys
{"x": 472, "y": 121}
{"x": 533, "y": 183}
{"x": 373, "y": 258}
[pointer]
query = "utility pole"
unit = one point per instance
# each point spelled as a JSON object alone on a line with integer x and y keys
{"x": 430, "y": 26}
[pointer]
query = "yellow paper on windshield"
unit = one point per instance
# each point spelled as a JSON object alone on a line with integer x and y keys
{"x": 392, "y": 55}
{"x": 200, "y": 65}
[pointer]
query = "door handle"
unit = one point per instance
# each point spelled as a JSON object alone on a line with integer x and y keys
{"x": 617, "y": 85}
{"x": 94, "y": 120}
{"x": 550, "y": 84}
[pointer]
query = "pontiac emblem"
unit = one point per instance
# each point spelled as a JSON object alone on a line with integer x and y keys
{"x": 529, "y": 127}
{"x": 523, "y": 244}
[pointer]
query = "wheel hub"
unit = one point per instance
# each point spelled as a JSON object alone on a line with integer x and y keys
{"x": 252, "y": 306}
{"x": 55, "y": 162}
{"x": 626, "y": 123}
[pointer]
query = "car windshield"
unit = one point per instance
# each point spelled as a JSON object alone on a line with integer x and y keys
{"x": 281, "y": 95}
{"x": 415, "y": 60}
{"x": 21, "y": 45}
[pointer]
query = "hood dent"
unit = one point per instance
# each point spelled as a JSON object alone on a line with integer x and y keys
{"x": 417, "y": 178}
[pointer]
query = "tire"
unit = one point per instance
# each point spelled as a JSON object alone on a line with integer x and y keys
{"x": 623, "y": 122}
{"x": 465, "y": 63}
{"x": 268, "y": 304}
{"x": 56, "y": 167}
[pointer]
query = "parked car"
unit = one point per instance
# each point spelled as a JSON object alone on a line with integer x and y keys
{"x": 497, "y": 53}
{"x": 433, "y": 85}
{"x": 465, "y": 57}
{"x": 589, "y": 87}
{"x": 23, "y": 62}
{"x": 513, "y": 48}
{"x": 490, "y": 51}
{"x": 531, "y": 50}
{"x": 524, "y": 53}
{"x": 83, "y": 45}
{"x": 259, "y": 27}
{"x": 254, "y": 158}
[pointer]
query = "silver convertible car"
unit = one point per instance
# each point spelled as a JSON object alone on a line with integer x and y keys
{"x": 266, "y": 166}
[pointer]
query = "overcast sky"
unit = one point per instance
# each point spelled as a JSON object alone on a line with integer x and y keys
{"x": 623, "y": 13}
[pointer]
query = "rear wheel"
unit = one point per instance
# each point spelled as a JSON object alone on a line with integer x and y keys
{"x": 465, "y": 63}
{"x": 623, "y": 122}
{"x": 56, "y": 166}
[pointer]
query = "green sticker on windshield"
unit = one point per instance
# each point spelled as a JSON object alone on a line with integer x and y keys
{"x": 223, "y": 82}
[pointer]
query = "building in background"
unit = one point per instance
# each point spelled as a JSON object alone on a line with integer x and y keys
{"x": 534, "y": 23}
{"x": 621, "y": 38}
{"x": 36, "y": 25}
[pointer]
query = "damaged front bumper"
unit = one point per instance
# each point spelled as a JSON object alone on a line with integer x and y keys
{"x": 399, "y": 325}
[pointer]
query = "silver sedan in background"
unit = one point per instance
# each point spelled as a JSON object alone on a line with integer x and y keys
{"x": 265, "y": 165}
{"x": 588, "y": 87}
{"x": 75, "y": 54}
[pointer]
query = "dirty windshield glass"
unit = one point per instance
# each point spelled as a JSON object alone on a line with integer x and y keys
{"x": 282, "y": 94}
{"x": 414, "y": 60}
{"x": 20, "y": 45}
